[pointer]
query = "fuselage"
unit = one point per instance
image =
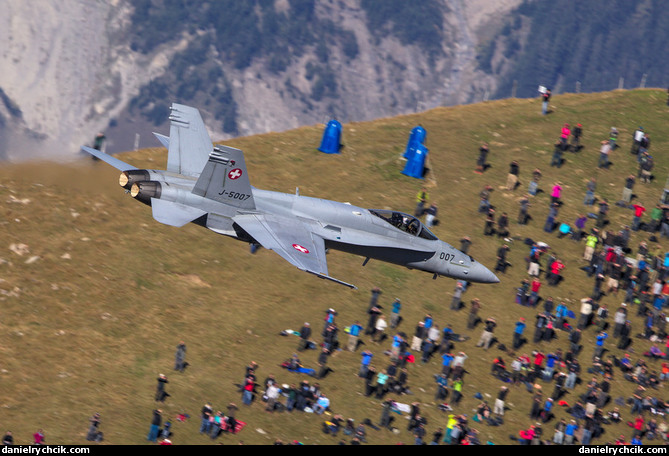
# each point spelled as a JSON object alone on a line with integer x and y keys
{"x": 388, "y": 236}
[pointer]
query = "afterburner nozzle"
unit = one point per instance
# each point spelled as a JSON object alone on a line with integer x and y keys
{"x": 146, "y": 190}
{"x": 130, "y": 177}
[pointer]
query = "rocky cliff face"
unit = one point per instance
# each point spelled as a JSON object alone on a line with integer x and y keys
{"x": 49, "y": 54}
{"x": 68, "y": 69}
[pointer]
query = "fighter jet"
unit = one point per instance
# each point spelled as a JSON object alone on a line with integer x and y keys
{"x": 209, "y": 185}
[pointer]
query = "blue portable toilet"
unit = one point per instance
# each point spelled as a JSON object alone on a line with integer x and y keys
{"x": 331, "y": 142}
{"x": 417, "y": 136}
{"x": 415, "y": 166}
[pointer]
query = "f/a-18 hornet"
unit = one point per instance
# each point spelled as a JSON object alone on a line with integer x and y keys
{"x": 209, "y": 185}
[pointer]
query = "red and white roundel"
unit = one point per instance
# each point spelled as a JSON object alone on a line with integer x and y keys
{"x": 300, "y": 248}
{"x": 235, "y": 173}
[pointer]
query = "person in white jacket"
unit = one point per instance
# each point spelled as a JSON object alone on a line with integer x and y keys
{"x": 380, "y": 328}
{"x": 586, "y": 313}
{"x": 272, "y": 394}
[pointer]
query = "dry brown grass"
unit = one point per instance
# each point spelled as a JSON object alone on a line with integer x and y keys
{"x": 90, "y": 323}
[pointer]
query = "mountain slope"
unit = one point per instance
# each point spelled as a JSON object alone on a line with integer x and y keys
{"x": 77, "y": 67}
{"x": 252, "y": 67}
{"x": 588, "y": 46}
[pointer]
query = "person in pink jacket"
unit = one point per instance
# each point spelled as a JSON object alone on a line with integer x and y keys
{"x": 556, "y": 192}
{"x": 566, "y": 133}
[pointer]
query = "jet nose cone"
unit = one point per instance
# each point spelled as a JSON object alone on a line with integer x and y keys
{"x": 481, "y": 274}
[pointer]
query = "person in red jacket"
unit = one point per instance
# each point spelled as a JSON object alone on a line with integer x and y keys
{"x": 556, "y": 271}
{"x": 535, "y": 286}
{"x": 639, "y": 209}
{"x": 538, "y": 364}
{"x": 639, "y": 425}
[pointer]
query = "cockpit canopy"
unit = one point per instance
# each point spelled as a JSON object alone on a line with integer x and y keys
{"x": 404, "y": 222}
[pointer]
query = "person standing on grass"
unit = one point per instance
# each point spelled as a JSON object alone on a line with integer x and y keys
{"x": 395, "y": 310}
{"x": 161, "y": 394}
{"x": 639, "y": 209}
{"x": 481, "y": 162}
{"x": 94, "y": 434}
{"x": 353, "y": 336}
{"x": 602, "y": 213}
{"x": 487, "y": 335}
{"x": 523, "y": 214}
{"x": 457, "y": 296}
{"x": 247, "y": 390}
{"x": 628, "y": 188}
{"x": 556, "y": 192}
{"x": 421, "y": 201}
{"x": 576, "y": 134}
{"x": 489, "y": 227}
{"x": 512, "y": 176}
{"x": 206, "y": 414}
{"x": 154, "y": 430}
{"x": 535, "y": 286}
{"x": 590, "y": 188}
{"x": 380, "y": 329}
{"x": 473, "y": 318}
{"x": 503, "y": 225}
{"x": 565, "y": 133}
{"x": 545, "y": 98}
{"x": 374, "y": 300}
{"x": 365, "y": 362}
{"x": 604, "y": 152}
{"x": 637, "y": 138}
{"x": 558, "y": 150}
{"x": 180, "y": 363}
{"x": 374, "y": 314}
{"x": 551, "y": 219}
{"x": 518, "y": 333}
{"x": 305, "y": 334}
{"x": 431, "y": 215}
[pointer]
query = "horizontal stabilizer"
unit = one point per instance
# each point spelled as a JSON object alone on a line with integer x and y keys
{"x": 174, "y": 214}
{"x": 164, "y": 140}
{"x": 115, "y": 162}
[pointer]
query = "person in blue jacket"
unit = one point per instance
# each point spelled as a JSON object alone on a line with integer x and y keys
{"x": 569, "y": 432}
{"x": 353, "y": 336}
{"x": 518, "y": 333}
{"x": 365, "y": 362}
{"x": 599, "y": 344}
{"x": 395, "y": 313}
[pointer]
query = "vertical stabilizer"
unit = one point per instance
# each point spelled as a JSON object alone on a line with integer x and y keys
{"x": 224, "y": 179}
{"x": 189, "y": 142}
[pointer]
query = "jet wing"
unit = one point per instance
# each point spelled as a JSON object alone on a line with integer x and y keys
{"x": 115, "y": 162}
{"x": 292, "y": 239}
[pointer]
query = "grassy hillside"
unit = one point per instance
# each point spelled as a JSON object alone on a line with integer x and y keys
{"x": 95, "y": 295}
